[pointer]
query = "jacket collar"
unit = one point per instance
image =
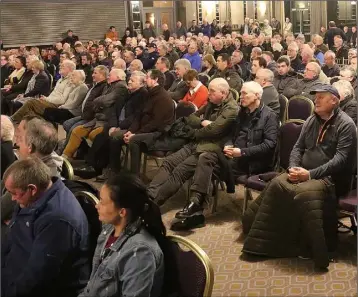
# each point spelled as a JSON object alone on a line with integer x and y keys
{"x": 333, "y": 116}
{"x": 346, "y": 100}
{"x": 155, "y": 90}
{"x": 42, "y": 201}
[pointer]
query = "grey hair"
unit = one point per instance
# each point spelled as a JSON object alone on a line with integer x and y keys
{"x": 257, "y": 50}
{"x": 7, "y": 129}
{"x": 69, "y": 64}
{"x": 349, "y": 69}
{"x": 82, "y": 75}
{"x": 268, "y": 74}
{"x": 253, "y": 87}
{"x": 119, "y": 73}
{"x": 294, "y": 46}
{"x": 103, "y": 69}
{"x": 316, "y": 66}
{"x": 29, "y": 171}
{"x": 139, "y": 62}
{"x": 344, "y": 87}
{"x": 220, "y": 84}
{"x": 119, "y": 64}
{"x": 141, "y": 76}
{"x": 41, "y": 136}
{"x": 330, "y": 54}
{"x": 183, "y": 62}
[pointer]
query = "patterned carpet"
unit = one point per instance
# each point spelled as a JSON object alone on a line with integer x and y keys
{"x": 221, "y": 240}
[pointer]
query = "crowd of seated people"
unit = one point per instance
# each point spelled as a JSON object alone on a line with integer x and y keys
{"x": 125, "y": 94}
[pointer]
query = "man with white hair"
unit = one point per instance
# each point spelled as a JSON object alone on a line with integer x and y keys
{"x": 119, "y": 64}
{"x": 296, "y": 214}
{"x": 179, "y": 88}
{"x": 347, "y": 102}
{"x": 330, "y": 68}
{"x": 267, "y": 29}
{"x": 101, "y": 106}
{"x": 349, "y": 74}
{"x": 135, "y": 65}
{"x": 251, "y": 152}
{"x": 198, "y": 158}
{"x": 270, "y": 96}
{"x": 58, "y": 96}
{"x": 296, "y": 62}
{"x": 7, "y": 136}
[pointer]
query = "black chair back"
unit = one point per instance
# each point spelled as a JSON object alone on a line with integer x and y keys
{"x": 204, "y": 79}
{"x": 184, "y": 109}
{"x": 289, "y": 133}
{"x": 299, "y": 107}
{"x": 88, "y": 203}
{"x": 283, "y": 108}
{"x": 194, "y": 269}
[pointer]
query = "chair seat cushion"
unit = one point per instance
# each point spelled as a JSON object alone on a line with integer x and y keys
{"x": 256, "y": 183}
{"x": 241, "y": 179}
{"x": 350, "y": 202}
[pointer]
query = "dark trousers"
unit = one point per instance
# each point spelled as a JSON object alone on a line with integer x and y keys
{"x": 7, "y": 102}
{"x": 57, "y": 115}
{"x": 181, "y": 166}
{"x": 137, "y": 144}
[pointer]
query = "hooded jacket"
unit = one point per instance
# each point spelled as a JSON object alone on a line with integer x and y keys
{"x": 286, "y": 84}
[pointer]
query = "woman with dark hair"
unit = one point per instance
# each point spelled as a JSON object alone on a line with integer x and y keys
{"x": 128, "y": 33}
{"x": 131, "y": 256}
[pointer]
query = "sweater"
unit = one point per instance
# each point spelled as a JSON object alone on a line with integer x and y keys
{"x": 199, "y": 97}
{"x": 75, "y": 99}
{"x": 60, "y": 93}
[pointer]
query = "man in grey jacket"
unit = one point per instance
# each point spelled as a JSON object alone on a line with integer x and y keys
{"x": 270, "y": 96}
{"x": 179, "y": 88}
{"x": 58, "y": 96}
{"x": 34, "y": 136}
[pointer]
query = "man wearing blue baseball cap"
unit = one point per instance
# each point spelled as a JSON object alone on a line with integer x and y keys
{"x": 295, "y": 215}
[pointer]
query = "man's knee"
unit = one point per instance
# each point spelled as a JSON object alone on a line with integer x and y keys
{"x": 208, "y": 158}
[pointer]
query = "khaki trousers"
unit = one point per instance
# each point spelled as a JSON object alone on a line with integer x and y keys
{"x": 32, "y": 107}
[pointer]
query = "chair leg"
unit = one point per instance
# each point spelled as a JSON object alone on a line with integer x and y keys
{"x": 222, "y": 185}
{"x": 247, "y": 197}
{"x": 145, "y": 160}
{"x": 215, "y": 196}
{"x": 353, "y": 223}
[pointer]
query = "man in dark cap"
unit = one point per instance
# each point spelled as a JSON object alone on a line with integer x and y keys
{"x": 295, "y": 215}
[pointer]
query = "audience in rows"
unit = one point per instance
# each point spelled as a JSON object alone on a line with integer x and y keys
{"x": 114, "y": 96}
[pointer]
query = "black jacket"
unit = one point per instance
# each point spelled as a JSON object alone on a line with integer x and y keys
{"x": 98, "y": 89}
{"x": 231, "y": 76}
{"x": 270, "y": 98}
{"x": 296, "y": 64}
{"x": 169, "y": 79}
{"x": 349, "y": 106}
{"x": 150, "y": 60}
{"x": 329, "y": 36}
{"x": 157, "y": 113}
{"x": 5, "y": 72}
{"x": 331, "y": 72}
{"x": 20, "y": 87}
{"x": 88, "y": 69}
{"x": 42, "y": 86}
{"x": 178, "y": 89}
{"x": 286, "y": 84}
{"x": 261, "y": 138}
{"x": 328, "y": 150}
{"x": 133, "y": 106}
{"x": 7, "y": 155}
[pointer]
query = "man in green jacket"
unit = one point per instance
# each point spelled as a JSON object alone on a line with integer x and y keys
{"x": 198, "y": 158}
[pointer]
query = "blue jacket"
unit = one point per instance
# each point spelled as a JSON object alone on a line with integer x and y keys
{"x": 46, "y": 250}
{"x": 132, "y": 266}
{"x": 195, "y": 60}
{"x": 206, "y": 30}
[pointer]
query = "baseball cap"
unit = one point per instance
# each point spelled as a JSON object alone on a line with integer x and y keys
{"x": 320, "y": 88}
{"x": 152, "y": 44}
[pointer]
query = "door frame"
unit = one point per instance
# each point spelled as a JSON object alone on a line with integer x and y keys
{"x": 157, "y": 11}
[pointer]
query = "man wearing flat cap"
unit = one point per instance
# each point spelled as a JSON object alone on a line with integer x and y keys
{"x": 295, "y": 215}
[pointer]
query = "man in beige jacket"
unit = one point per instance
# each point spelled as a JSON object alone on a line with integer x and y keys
{"x": 58, "y": 96}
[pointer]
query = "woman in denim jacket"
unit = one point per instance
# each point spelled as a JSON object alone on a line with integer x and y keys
{"x": 130, "y": 252}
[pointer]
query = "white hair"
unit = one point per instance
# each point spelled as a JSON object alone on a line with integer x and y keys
{"x": 220, "y": 84}
{"x": 119, "y": 73}
{"x": 139, "y": 63}
{"x": 82, "y": 75}
{"x": 141, "y": 76}
{"x": 7, "y": 129}
{"x": 330, "y": 54}
{"x": 344, "y": 88}
{"x": 183, "y": 62}
{"x": 69, "y": 64}
{"x": 253, "y": 87}
{"x": 119, "y": 64}
{"x": 267, "y": 74}
{"x": 316, "y": 66}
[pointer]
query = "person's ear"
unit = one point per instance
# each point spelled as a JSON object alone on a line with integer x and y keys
{"x": 33, "y": 189}
{"x": 122, "y": 212}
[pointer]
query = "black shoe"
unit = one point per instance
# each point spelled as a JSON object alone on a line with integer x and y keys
{"x": 85, "y": 172}
{"x": 189, "y": 210}
{"x": 196, "y": 221}
{"x": 106, "y": 174}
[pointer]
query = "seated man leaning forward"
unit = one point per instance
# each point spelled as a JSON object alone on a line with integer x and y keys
{"x": 46, "y": 250}
{"x": 296, "y": 213}
{"x": 198, "y": 158}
